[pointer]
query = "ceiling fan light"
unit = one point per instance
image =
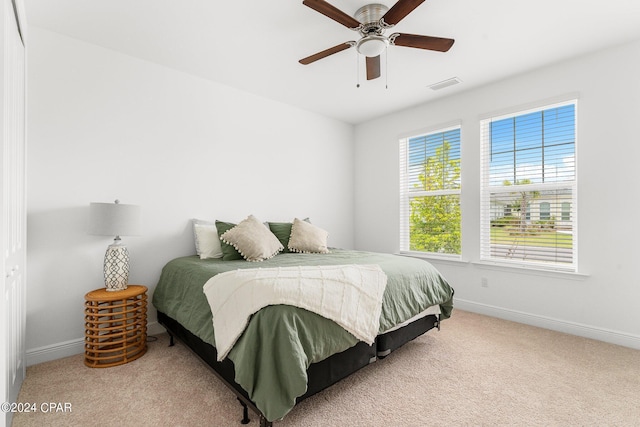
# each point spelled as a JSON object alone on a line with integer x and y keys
{"x": 372, "y": 46}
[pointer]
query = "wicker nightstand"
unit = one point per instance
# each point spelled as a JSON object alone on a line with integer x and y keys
{"x": 115, "y": 326}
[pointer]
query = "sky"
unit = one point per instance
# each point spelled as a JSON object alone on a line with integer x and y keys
{"x": 537, "y": 146}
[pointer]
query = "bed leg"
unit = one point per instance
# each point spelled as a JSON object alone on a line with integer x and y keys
{"x": 245, "y": 412}
{"x": 264, "y": 422}
{"x": 171, "y": 342}
{"x": 438, "y": 321}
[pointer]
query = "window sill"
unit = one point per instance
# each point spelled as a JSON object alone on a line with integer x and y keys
{"x": 522, "y": 269}
{"x": 452, "y": 259}
{"x": 490, "y": 265}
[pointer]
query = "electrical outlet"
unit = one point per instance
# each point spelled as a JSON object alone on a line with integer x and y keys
{"x": 484, "y": 282}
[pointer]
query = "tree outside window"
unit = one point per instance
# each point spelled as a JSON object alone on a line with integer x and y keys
{"x": 431, "y": 193}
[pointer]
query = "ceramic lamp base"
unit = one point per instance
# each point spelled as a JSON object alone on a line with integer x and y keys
{"x": 116, "y": 268}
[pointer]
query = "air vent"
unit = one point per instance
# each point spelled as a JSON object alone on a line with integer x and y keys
{"x": 445, "y": 83}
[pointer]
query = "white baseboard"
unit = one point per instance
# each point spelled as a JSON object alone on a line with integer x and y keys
{"x": 55, "y": 351}
{"x": 72, "y": 347}
{"x": 587, "y": 331}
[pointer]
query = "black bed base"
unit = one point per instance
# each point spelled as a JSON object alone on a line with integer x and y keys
{"x": 320, "y": 375}
{"x": 390, "y": 341}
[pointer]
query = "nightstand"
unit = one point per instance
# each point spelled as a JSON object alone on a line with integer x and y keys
{"x": 115, "y": 326}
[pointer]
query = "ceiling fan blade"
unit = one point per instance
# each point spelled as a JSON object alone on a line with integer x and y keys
{"x": 339, "y": 48}
{"x": 373, "y": 67}
{"x": 421, "y": 42}
{"x": 399, "y": 10}
{"x": 332, "y": 12}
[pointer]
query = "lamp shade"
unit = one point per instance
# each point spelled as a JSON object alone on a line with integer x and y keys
{"x": 114, "y": 219}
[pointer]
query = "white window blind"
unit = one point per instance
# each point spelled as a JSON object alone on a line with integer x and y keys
{"x": 528, "y": 194}
{"x": 430, "y": 192}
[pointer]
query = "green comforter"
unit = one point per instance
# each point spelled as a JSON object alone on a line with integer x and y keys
{"x": 272, "y": 356}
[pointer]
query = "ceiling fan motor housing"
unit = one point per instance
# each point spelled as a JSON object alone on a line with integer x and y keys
{"x": 373, "y": 42}
{"x": 371, "y": 14}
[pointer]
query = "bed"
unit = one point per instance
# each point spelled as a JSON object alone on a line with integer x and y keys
{"x": 286, "y": 353}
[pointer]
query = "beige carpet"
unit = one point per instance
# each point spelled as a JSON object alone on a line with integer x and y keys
{"x": 476, "y": 371}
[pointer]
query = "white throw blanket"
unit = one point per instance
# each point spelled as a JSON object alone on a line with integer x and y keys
{"x": 350, "y": 295}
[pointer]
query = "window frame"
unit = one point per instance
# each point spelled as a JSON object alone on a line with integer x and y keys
{"x": 406, "y": 195}
{"x": 486, "y": 190}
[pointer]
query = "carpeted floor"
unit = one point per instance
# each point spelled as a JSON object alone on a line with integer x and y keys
{"x": 477, "y": 370}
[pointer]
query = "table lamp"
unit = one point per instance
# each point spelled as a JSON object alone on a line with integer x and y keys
{"x": 115, "y": 219}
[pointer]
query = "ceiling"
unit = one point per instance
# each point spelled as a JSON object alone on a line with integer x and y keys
{"x": 255, "y": 45}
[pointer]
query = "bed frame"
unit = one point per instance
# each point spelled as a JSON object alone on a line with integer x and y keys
{"x": 321, "y": 375}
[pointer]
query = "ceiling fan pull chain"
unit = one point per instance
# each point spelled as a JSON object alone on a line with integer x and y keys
{"x": 386, "y": 68}
{"x": 357, "y": 70}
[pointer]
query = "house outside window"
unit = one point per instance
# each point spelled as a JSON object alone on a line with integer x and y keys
{"x": 529, "y": 169}
{"x": 430, "y": 217}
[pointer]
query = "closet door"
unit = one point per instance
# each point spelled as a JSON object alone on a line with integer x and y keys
{"x": 13, "y": 208}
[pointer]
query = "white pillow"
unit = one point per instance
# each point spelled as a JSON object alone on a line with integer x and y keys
{"x": 253, "y": 240}
{"x": 307, "y": 238}
{"x": 206, "y": 238}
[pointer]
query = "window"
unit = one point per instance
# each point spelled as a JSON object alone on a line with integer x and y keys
{"x": 545, "y": 211}
{"x": 430, "y": 192}
{"x": 529, "y": 170}
{"x": 566, "y": 211}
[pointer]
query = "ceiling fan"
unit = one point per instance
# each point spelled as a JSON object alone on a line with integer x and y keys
{"x": 371, "y": 21}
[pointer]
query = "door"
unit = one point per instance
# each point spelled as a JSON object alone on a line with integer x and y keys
{"x": 13, "y": 208}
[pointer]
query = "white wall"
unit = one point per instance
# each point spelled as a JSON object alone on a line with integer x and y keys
{"x": 604, "y": 304}
{"x": 102, "y": 125}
